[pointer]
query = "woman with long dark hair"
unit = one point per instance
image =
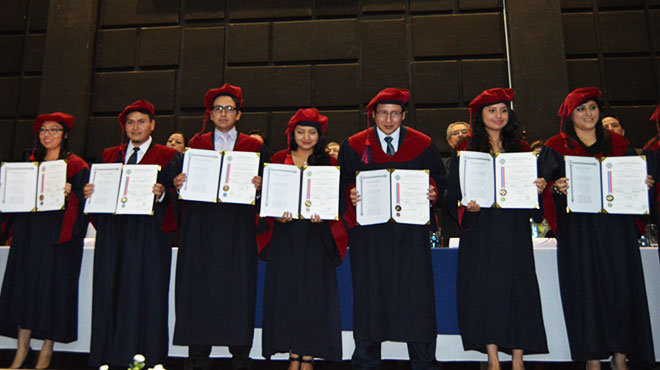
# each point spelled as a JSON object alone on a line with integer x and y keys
{"x": 499, "y": 305}
{"x": 39, "y": 296}
{"x": 598, "y": 260}
{"x": 301, "y": 302}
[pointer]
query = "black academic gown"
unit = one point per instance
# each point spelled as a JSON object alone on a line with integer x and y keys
{"x": 600, "y": 268}
{"x": 216, "y": 276}
{"x": 498, "y": 299}
{"x": 301, "y": 301}
{"x": 132, "y": 261}
{"x": 390, "y": 263}
{"x": 40, "y": 287}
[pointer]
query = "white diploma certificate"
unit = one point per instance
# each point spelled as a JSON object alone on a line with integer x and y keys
{"x": 136, "y": 195}
{"x": 238, "y": 169}
{"x": 584, "y": 189}
{"x": 409, "y": 192}
{"x": 374, "y": 206}
{"x": 18, "y": 185}
{"x": 515, "y": 176}
{"x": 50, "y": 185}
{"x": 280, "y": 190}
{"x": 476, "y": 178}
{"x": 624, "y": 187}
{"x": 106, "y": 178}
{"x": 202, "y": 169}
{"x": 320, "y": 192}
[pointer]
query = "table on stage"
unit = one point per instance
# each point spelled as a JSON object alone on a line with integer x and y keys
{"x": 449, "y": 346}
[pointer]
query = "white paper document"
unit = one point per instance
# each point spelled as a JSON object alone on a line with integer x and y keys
{"x": 624, "y": 188}
{"x": 320, "y": 192}
{"x": 238, "y": 169}
{"x": 50, "y": 185}
{"x": 374, "y": 206}
{"x": 476, "y": 177}
{"x": 136, "y": 195}
{"x": 280, "y": 190}
{"x": 584, "y": 189}
{"x": 410, "y": 203}
{"x": 18, "y": 186}
{"x": 202, "y": 169}
{"x": 106, "y": 178}
{"x": 515, "y": 176}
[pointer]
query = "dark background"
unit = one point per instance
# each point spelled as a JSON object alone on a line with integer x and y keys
{"x": 91, "y": 58}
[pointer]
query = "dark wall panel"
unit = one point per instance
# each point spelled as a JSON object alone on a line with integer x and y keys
{"x": 624, "y": 32}
{"x": 159, "y": 46}
{"x": 635, "y": 120}
{"x": 315, "y": 40}
{"x": 264, "y": 86}
{"x": 23, "y": 140}
{"x": 257, "y": 35}
{"x": 11, "y": 57}
{"x": 479, "y": 4}
{"x": 583, "y": 72}
{"x": 579, "y": 33}
{"x": 28, "y": 103}
{"x": 204, "y": 9}
{"x": 190, "y": 125}
{"x": 7, "y": 139}
{"x": 431, "y": 5}
{"x": 479, "y": 75}
{"x": 435, "y": 82}
{"x": 253, "y": 121}
{"x": 8, "y": 96}
{"x": 102, "y": 132}
{"x": 628, "y": 79}
{"x": 39, "y": 15}
{"x": 336, "y": 7}
{"x": 342, "y": 124}
{"x": 254, "y": 9}
{"x": 13, "y": 15}
{"x": 337, "y": 85}
{"x": 576, "y": 4}
{"x": 116, "y": 90}
{"x": 165, "y": 125}
{"x": 138, "y": 12}
{"x": 383, "y": 5}
{"x": 202, "y": 61}
{"x": 278, "y": 123}
{"x": 34, "y": 53}
{"x": 116, "y": 48}
{"x": 384, "y": 57}
{"x": 454, "y": 35}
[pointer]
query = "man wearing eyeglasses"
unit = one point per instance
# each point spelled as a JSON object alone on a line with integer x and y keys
{"x": 456, "y": 132}
{"x": 216, "y": 277}
{"x": 393, "y": 297}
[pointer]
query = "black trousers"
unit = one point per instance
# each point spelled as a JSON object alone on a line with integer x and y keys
{"x": 367, "y": 355}
{"x": 200, "y": 357}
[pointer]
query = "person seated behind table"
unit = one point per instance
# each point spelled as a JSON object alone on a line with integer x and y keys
{"x": 333, "y": 149}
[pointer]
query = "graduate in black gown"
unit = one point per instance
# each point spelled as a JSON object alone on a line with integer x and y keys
{"x": 391, "y": 262}
{"x": 498, "y": 299}
{"x": 132, "y": 255}
{"x": 301, "y": 301}
{"x": 216, "y": 276}
{"x": 600, "y": 269}
{"x": 40, "y": 289}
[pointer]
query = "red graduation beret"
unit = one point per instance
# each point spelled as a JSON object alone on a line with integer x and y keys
{"x": 62, "y": 118}
{"x": 656, "y": 115}
{"x": 309, "y": 116}
{"x": 490, "y": 97}
{"x": 225, "y": 89}
{"x": 391, "y": 95}
{"x": 577, "y": 97}
{"x": 139, "y": 105}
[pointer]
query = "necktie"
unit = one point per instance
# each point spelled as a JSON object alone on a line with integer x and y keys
{"x": 390, "y": 147}
{"x": 133, "y": 158}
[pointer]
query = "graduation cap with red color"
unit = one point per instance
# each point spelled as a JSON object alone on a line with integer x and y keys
{"x": 59, "y": 117}
{"x": 143, "y": 106}
{"x": 576, "y": 98}
{"x": 656, "y": 117}
{"x": 227, "y": 90}
{"x": 390, "y": 95}
{"x": 490, "y": 97}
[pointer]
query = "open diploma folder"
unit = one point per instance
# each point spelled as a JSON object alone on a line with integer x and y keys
{"x": 224, "y": 177}
{"x": 122, "y": 188}
{"x": 505, "y": 180}
{"x": 400, "y": 195}
{"x": 317, "y": 192}
{"x": 32, "y": 186}
{"x": 608, "y": 185}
